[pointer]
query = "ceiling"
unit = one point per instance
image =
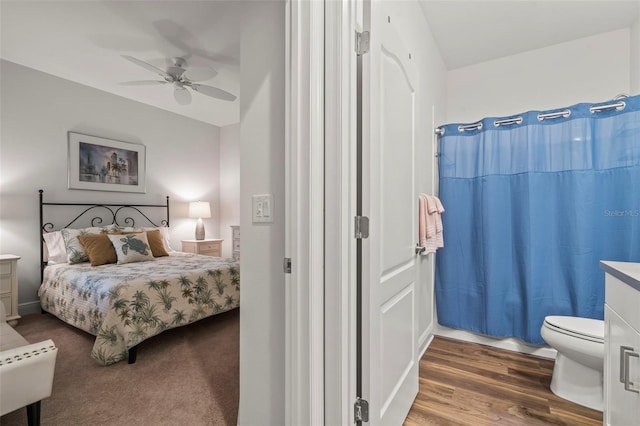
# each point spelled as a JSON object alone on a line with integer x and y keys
{"x": 474, "y": 31}
{"x": 83, "y": 40}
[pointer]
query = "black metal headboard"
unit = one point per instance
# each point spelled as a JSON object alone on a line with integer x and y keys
{"x": 108, "y": 213}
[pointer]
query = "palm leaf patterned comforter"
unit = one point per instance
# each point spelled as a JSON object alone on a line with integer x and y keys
{"x": 122, "y": 305}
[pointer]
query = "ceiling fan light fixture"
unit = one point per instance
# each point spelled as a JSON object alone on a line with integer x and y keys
{"x": 175, "y": 72}
{"x": 179, "y": 62}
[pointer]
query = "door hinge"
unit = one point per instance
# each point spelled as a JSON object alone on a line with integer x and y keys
{"x": 361, "y": 410}
{"x": 286, "y": 265}
{"x": 362, "y": 42}
{"x": 361, "y": 227}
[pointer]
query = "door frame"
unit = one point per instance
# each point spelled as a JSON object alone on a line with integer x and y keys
{"x": 342, "y": 20}
{"x": 320, "y": 348}
{"x": 304, "y": 212}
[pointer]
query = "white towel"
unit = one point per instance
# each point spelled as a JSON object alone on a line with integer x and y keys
{"x": 422, "y": 220}
{"x": 439, "y": 211}
{"x": 430, "y": 224}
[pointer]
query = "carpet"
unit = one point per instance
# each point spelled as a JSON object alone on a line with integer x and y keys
{"x": 184, "y": 376}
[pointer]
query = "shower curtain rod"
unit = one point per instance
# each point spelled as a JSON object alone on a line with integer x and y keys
{"x": 566, "y": 113}
{"x": 618, "y": 106}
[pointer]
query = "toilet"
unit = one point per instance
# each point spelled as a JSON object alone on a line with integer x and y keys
{"x": 577, "y": 374}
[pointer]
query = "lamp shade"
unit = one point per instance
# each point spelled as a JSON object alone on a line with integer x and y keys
{"x": 199, "y": 209}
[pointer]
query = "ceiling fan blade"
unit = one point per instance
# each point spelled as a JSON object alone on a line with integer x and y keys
{"x": 182, "y": 96}
{"x": 200, "y": 73}
{"x": 149, "y": 67}
{"x": 214, "y": 92}
{"x": 142, "y": 83}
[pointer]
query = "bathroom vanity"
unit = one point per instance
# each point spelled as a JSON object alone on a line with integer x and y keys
{"x": 622, "y": 343}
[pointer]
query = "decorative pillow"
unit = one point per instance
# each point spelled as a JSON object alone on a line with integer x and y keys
{"x": 155, "y": 242}
{"x": 54, "y": 244}
{"x": 131, "y": 247}
{"x": 164, "y": 231}
{"x": 75, "y": 251}
{"x": 99, "y": 249}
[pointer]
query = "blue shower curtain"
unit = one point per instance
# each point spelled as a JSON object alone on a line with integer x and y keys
{"x": 531, "y": 208}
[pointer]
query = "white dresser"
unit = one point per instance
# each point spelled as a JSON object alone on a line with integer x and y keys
{"x": 9, "y": 286}
{"x": 235, "y": 238}
{"x": 622, "y": 344}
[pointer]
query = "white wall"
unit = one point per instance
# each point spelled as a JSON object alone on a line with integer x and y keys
{"x": 37, "y": 110}
{"x": 262, "y": 155}
{"x": 590, "y": 69}
{"x": 229, "y": 184}
{"x": 635, "y": 56}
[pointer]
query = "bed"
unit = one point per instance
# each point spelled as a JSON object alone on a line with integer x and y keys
{"x": 123, "y": 304}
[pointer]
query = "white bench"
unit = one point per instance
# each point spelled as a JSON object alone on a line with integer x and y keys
{"x": 26, "y": 371}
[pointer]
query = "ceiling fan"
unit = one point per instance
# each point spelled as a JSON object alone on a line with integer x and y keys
{"x": 181, "y": 77}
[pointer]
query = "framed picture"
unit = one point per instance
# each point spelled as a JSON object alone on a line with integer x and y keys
{"x": 105, "y": 165}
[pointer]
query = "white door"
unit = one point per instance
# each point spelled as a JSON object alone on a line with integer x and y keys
{"x": 389, "y": 270}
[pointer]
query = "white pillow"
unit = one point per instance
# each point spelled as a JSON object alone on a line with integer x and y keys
{"x": 110, "y": 228}
{"x": 166, "y": 236}
{"x": 132, "y": 247}
{"x": 131, "y": 229}
{"x": 55, "y": 246}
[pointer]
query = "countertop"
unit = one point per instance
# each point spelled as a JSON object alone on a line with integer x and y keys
{"x": 627, "y": 272}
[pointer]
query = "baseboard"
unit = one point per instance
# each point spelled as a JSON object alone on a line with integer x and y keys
{"x": 425, "y": 340}
{"x": 29, "y": 308}
{"x": 510, "y": 344}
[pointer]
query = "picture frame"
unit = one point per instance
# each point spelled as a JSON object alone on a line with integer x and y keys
{"x": 102, "y": 164}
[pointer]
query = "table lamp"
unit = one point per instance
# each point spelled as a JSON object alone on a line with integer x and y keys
{"x": 199, "y": 209}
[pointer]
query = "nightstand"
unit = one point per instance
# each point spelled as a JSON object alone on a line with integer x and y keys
{"x": 9, "y": 286}
{"x": 207, "y": 247}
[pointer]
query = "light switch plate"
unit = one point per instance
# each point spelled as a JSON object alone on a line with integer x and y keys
{"x": 262, "y": 208}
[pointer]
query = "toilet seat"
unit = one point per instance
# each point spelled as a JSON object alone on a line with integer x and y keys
{"x": 581, "y": 328}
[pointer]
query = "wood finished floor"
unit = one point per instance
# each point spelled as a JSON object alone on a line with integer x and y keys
{"x": 470, "y": 384}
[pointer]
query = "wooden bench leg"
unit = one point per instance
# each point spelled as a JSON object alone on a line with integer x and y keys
{"x": 33, "y": 414}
